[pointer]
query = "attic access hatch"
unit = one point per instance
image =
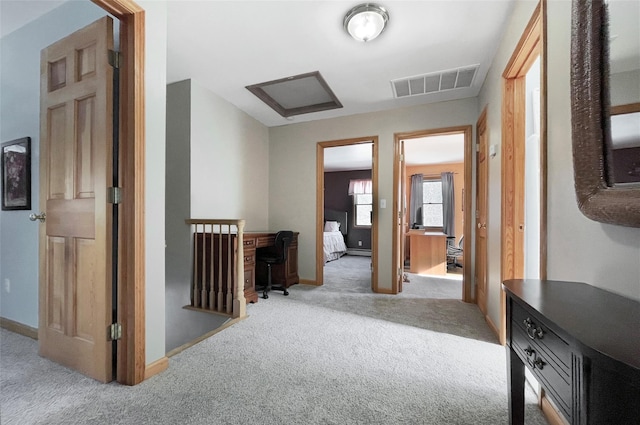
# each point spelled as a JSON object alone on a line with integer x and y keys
{"x": 296, "y": 95}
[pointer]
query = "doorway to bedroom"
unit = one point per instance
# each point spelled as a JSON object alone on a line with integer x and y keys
{"x": 346, "y": 218}
{"x": 432, "y": 198}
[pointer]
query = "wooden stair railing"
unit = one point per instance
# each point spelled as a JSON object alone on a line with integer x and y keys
{"x": 218, "y": 266}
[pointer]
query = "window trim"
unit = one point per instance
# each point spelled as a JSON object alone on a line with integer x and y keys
{"x": 355, "y": 211}
{"x": 432, "y": 179}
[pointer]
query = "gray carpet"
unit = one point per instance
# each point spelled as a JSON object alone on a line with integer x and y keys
{"x": 311, "y": 358}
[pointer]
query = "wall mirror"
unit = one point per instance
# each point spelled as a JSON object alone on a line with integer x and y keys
{"x": 605, "y": 90}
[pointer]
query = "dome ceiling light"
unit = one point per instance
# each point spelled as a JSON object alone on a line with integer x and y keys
{"x": 366, "y": 21}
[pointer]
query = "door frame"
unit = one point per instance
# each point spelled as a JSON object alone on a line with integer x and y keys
{"x": 467, "y": 292}
{"x": 481, "y": 126}
{"x": 532, "y": 44}
{"x": 131, "y": 363}
{"x": 320, "y": 147}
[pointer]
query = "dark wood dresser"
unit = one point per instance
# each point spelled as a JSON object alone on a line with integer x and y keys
{"x": 582, "y": 344}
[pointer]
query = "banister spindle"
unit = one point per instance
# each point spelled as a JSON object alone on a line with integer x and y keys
{"x": 239, "y": 302}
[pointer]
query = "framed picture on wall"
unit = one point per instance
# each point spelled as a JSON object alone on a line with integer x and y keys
{"x": 16, "y": 174}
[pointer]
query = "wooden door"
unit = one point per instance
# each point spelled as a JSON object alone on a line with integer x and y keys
{"x": 482, "y": 168}
{"x": 76, "y": 120}
{"x": 402, "y": 219}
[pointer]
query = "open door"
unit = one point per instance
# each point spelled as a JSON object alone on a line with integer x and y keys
{"x": 76, "y": 130}
{"x": 482, "y": 173}
{"x": 402, "y": 219}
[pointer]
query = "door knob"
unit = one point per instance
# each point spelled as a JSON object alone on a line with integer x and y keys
{"x": 33, "y": 217}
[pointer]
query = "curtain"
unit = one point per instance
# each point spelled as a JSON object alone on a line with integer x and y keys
{"x": 360, "y": 186}
{"x": 415, "y": 207}
{"x": 448, "y": 205}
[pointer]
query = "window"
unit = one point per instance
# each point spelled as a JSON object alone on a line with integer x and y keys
{"x": 363, "y": 207}
{"x": 432, "y": 203}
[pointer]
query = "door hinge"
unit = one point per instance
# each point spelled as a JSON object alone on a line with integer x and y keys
{"x": 399, "y": 271}
{"x": 401, "y": 157}
{"x": 114, "y": 59}
{"x": 477, "y": 147}
{"x": 115, "y": 331}
{"x": 114, "y": 195}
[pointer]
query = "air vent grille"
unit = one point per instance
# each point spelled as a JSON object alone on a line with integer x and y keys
{"x": 435, "y": 82}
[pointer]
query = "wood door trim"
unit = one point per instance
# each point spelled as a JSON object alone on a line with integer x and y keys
{"x": 131, "y": 281}
{"x": 320, "y": 147}
{"x": 467, "y": 130}
{"x": 481, "y": 126}
{"x": 532, "y": 44}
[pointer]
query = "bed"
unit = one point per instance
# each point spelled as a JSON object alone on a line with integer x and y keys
{"x": 335, "y": 230}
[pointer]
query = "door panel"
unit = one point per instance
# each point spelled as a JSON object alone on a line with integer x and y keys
{"x": 75, "y": 243}
{"x": 481, "y": 213}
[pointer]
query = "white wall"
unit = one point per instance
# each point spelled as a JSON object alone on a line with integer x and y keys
{"x": 625, "y": 87}
{"x": 532, "y": 174}
{"x": 292, "y": 178}
{"x": 229, "y": 161}
{"x": 20, "y": 117}
{"x": 155, "y": 136}
{"x": 578, "y": 249}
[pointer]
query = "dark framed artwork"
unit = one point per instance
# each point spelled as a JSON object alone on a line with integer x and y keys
{"x": 16, "y": 174}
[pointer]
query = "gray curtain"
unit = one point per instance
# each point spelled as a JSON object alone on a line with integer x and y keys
{"x": 415, "y": 209}
{"x": 448, "y": 205}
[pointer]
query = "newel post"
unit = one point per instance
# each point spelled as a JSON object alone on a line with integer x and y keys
{"x": 239, "y": 302}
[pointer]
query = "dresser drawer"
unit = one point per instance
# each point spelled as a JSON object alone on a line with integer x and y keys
{"x": 249, "y": 259}
{"x": 249, "y": 243}
{"x": 552, "y": 376}
{"x": 547, "y": 341}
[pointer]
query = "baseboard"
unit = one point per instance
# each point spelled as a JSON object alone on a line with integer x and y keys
{"x": 360, "y": 252}
{"x": 18, "y": 328}
{"x": 551, "y": 413}
{"x": 493, "y": 327}
{"x": 156, "y": 367}
{"x": 308, "y": 282}
{"x": 205, "y": 336}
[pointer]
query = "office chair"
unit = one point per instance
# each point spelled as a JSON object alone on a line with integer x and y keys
{"x": 276, "y": 254}
{"x": 453, "y": 252}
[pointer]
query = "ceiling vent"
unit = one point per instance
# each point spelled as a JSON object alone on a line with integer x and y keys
{"x": 436, "y": 82}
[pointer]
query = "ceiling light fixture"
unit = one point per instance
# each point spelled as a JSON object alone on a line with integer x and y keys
{"x": 366, "y": 21}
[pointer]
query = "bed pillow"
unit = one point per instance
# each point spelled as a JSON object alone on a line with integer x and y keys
{"x": 331, "y": 226}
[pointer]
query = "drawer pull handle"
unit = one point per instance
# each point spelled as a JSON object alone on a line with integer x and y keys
{"x": 529, "y": 351}
{"x": 538, "y": 364}
{"x": 532, "y": 331}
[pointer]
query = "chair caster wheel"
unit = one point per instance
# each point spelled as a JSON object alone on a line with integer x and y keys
{"x": 286, "y": 292}
{"x": 265, "y": 296}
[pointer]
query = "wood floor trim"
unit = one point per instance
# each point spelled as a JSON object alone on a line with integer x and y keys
{"x": 156, "y": 367}
{"x": 19, "y": 328}
{"x": 193, "y": 342}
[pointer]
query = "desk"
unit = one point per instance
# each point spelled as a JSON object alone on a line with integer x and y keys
{"x": 428, "y": 252}
{"x": 581, "y": 343}
{"x": 282, "y": 274}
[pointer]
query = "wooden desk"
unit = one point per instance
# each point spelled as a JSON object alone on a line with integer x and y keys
{"x": 583, "y": 346}
{"x": 282, "y": 274}
{"x": 428, "y": 252}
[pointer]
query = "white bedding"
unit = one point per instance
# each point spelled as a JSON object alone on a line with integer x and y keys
{"x": 334, "y": 246}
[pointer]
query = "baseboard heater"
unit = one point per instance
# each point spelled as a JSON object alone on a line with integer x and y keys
{"x": 361, "y": 252}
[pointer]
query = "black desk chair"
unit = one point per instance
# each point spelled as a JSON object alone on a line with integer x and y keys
{"x": 276, "y": 254}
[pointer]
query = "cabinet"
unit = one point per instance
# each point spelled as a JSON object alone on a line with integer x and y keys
{"x": 581, "y": 343}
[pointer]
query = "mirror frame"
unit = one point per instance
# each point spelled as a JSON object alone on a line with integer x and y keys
{"x": 590, "y": 111}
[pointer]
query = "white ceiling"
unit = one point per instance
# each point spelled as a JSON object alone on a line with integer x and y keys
{"x": 227, "y": 45}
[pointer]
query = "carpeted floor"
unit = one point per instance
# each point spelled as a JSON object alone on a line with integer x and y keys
{"x": 323, "y": 355}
